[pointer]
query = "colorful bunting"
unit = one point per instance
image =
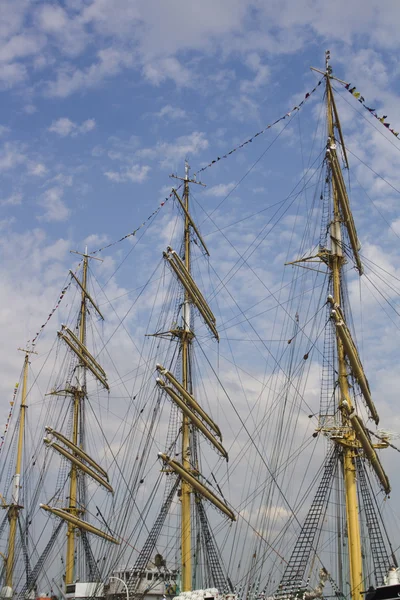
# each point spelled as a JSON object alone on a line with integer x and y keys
{"x": 65, "y": 289}
{"x": 288, "y": 114}
{"x": 134, "y": 232}
{"x": 361, "y": 99}
{"x": 61, "y": 296}
{"x": 12, "y": 402}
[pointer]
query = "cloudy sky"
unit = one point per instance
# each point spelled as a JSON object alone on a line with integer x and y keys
{"x": 102, "y": 101}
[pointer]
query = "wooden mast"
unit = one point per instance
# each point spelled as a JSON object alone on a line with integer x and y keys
{"x": 185, "y": 348}
{"x": 72, "y": 448}
{"x": 79, "y": 393}
{"x": 15, "y": 507}
{"x": 349, "y": 444}
{"x": 193, "y": 416}
{"x": 350, "y": 434}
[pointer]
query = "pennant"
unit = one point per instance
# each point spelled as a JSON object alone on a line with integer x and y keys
{"x": 248, "y": 141}
{"x": 371, "y": 110}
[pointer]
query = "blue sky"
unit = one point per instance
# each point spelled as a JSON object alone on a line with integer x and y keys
{"x": 102, "y": 100}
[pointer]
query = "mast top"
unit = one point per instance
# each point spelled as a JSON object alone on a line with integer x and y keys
{"x": 85, "y": 254}
{"x": 328, "y": 69}
{"x": 186, "y": 177}
{"x": 26, "y": 351}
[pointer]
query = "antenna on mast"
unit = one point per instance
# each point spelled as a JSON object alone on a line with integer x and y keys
{"x": 328, "y": 68}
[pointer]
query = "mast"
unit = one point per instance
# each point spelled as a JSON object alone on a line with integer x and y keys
{"x": 349, "y": 447}
{"x": 15, "y": 507}
{"x": 193, "y": 415}
{"x": 346, "y": 431}
{"x": 79, "y": 394}
{"x": 185, "y": 349}
{"x": 351, "y": 435}
{"x": 72, "y": 448}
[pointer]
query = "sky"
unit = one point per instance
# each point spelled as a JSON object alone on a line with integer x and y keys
{"x": 102, "y": 101}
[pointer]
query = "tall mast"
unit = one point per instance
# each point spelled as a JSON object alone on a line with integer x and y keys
{"x": 193, "y": 415}
{"x": 79, "y": 394}
{"x": 72, "y": 448}
{"x": 349, "y": 445}
{"x": 351, "y": 434}
{"x": 186, "y": 382}
{"x": 14, "y": 508}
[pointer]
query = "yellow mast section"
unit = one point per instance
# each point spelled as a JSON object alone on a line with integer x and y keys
{"x": 79, "y": 393}
{"x": 193, "y": 415}
{"x": 15, "y": 507}
{"x": 78, "y": 457}
{"x": 185, "y": 346}
{"x": 349, "y": 445}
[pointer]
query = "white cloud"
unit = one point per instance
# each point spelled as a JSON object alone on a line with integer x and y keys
{"x": 220, "y": 190}
{"x": 11, "y": 155}
{"x": 65, "y": 127}
{"x": 12, "y": 200}
{"x": 171, "y": 112}
{"x": 262, "y": 72}
{"x": 87, "y": 126}
{"x": 60, "y": 180}
{"x": 62, "y": 126}
{"x": 55, "y": 208}
{"x": 172, "y": 153}
{"x": 30, "y": 109}
{"x": 20, "y": 46}
{"x": 5, "y": 223}
{"x": 67, "y": 33}
{"x": 168, "y": 68}
{"x": 11, "y": 74}
{"x": 110, "y": 62}
{"x": 4, "y": 130}
{"x": 134, "y": 173}
{"x": 37, "y": 169}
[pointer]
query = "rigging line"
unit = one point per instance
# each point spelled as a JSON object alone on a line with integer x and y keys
{"x": 281, "y": 534}
{"x": 59, "y": 300}
{"x": 255, "y": 446}
{"x": 250, "y": 169}
{"x": 127, "y": 313}
{"x": 249, "y": 216}
{"x": 282, "y": 467}
{"x": 372, "y": 111}
{"x": 121, "y": 382}
{"x": 348, "y": 253}
{"x": 379, "y": 267}
{"x": 121, "y": 323}
{"x": 378, "y": 129}
{"x": 114, "y": 456}
{"x": 224, "y": 326}
{"x": 371, "y": 169}
{"x": 132, "y": 233}
{"x": 266, "y": 385}
{"x": 384, "y": 281}
{"x": 130, "y": 291}
{"x": 280, "y": 304}
{"x": 124, "y": 259}
{"x": 383, "y": 439}
{"x": 381, "y": 294}
{"x": 288, "y": 114}
{"x": 246, "y": 252}
{"x": 374, "y": 205}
